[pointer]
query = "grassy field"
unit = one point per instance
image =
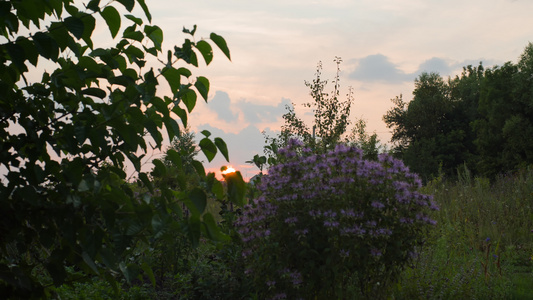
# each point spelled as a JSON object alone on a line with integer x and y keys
{"x": 482, "y": 246}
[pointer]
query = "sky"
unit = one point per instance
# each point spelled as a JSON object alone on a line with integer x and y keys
{"x": 384, "y": 45}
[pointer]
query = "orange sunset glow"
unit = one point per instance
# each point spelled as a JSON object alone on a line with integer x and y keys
{"x": 228, "y": 170}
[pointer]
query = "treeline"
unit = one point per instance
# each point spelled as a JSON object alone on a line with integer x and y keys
{"x": 482, "y": 119}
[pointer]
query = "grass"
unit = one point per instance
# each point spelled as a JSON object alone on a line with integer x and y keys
{"x": 482, "y": 247}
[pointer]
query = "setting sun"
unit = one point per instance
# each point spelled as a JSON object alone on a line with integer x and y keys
{"x": 228, "y": 170}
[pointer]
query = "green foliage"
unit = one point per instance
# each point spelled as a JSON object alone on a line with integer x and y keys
{"x": 370, "y": 144}
{"x": 483, "y": 245}
{"x": 330, "y": 123}
{"x": 429, "y": 132}
{"x": 506, "y": 117}
{"x": 478, "y": 119}
{"x": 67, "y": 138}
{"x": 333, "y": 225}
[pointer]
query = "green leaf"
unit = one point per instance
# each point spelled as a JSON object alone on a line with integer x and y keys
{"x": 189, "y": 98}
{"x": 172, "y": 75}
{"x": 57, "y": 272}
{"x": 128, "y": 4}
{"x": 88, "y": 25}
{"x": 30, "y": 52}
{"x": 194, "y": 230}
{"x": 185, "y": 72}
{"x": 145, "y": 9}
{"x": 208, "y": 148}
{"x": 90, "y": 262}
{"x": 149, "y": 272}
{"x": 236, "y": 188}
{"x": 186, "y": 53}
{"x": 155, "y": 34}
{"x": 96, "y": 92}
{"x": 74, "y": 170}
{"x": 218, "y": 189}
{"x": 199, "y": 167}
{"x": 16, "y": 54}
{"x": 174, "y": 157}
{"x": 181, "y": 113}
{"x": 198, "y": 198}
{"x": 46, "y": 46}
{"x": 130, "y": 271}
{"x": 61, "y": 35}
{"x": 221, "y": 43}
{"x": 159, "y": 168}
{"x": 75, "y": 26}
{"x": 206, "y": 51}
{"x": 108, "y": 257}
{"x": 221, "y": 145}
{"x": 112, "y": 19}
{"x": 206, "y": 133}
{"x": 134, "y": 35}
{"x": 172, "y": 126}
{"x": 121, "y": 80}
{"x": 213, "y": 231}
{"x": 136, "y": 20}
{"x": 134, "y": 53}
{"x": 94, "y": 5}
{"x": 146, "y": 181}
{"x": 160, "y": 105}
{"x": 202, "y": 85}
{"x": 151, "y": 126}
{"x": 191, "y": 32}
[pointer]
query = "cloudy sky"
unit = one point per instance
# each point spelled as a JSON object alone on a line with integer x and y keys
{"x": 276, "y": 45}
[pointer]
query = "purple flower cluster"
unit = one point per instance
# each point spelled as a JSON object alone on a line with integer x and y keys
{"x": 337, "y": 198}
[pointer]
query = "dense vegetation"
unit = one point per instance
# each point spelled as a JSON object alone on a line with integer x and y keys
{"x": 66, "y": 138}
{"x": 482, "y": 118}
{"x": 328, "y": 220}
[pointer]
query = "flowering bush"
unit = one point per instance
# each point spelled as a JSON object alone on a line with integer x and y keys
{"x": 332, "y": 225}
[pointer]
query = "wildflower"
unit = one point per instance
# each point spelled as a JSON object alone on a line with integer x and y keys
{"x": 280, "y": 296}
{"x": 434, "y": 206}
{"x": 331, "y": 223}
{"x": 375, "y": 252}
{"x": 291, "y": 220}
{"x": 271, "y": 283}
{"x": 246, "y": 253}
{"x": 371, "y": 223}
{"x": 377, "y": 204}
{"x": 344, "y": 253}
{"x": 296, "y": 278}
{"x": 330, "y": 214}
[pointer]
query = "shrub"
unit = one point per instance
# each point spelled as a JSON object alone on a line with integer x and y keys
{"x": 332, "y": 225}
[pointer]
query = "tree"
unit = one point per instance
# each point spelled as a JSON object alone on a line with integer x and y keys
{"x": 182, "y": 168}
{"x": 331, "y": 117}
{"x": 428, "y": 131}
{"x": 65, "y": 141}
{"x": 479, "y": 119}
{"x": 505, "y": 116}
{"x": 370, "y": 144}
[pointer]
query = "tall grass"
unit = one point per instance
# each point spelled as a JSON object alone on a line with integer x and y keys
{"x": 482, "y": 247}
